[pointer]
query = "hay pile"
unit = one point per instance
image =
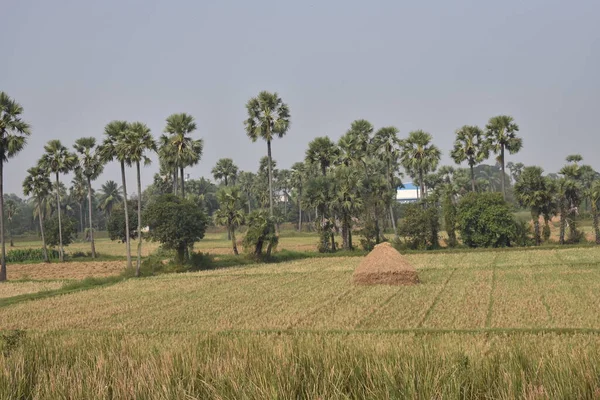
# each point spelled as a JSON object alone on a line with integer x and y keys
{"x": 385, "y": 266}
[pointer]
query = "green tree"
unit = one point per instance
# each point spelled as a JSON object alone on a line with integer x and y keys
{"x": 297, "y": 179}
{"x": 181, "y": 150}
{"x": 78, "y": 192}
{"x": 115, "y": 225}
{"x": 516, "y": 169}
{"x": 12, "y": 209}
{"x": 38, "y": 184}
{"x": 346, "y": 200}
{"x": 261, "y": 233}
{"x": 470, "y": 146}
{"x": 62, "y": 234}
{"x": 419, "y": 156}
{"x": 322, "y": 152}
{"x": 532, "y": 190}
{"x": 225, "y": 170}
{"x": 58, "y": 160}
{"x": 268, "y": 117}
{"x": 13, "y": 137}
{"x": 109, "y": 197}
{"x": 176, "y": 223}
{"x": 230, "y": 212}
{"x": 133, "y": 149}
{"x": 594, "y": 195}
{"x": 246, "y": 183}
{"x": 485, "y": 220}
{"x": 89, "y": 166}
{"x": 501, "y": 132}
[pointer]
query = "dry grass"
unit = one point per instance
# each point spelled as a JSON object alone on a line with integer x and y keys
{"x": 10, "y": 289}
{"x": 69, "y": 270}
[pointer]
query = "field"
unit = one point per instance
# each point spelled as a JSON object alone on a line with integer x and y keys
{"x": 488, "y": 324}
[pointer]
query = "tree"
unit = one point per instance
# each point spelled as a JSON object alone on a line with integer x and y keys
{"x": 230, "y": 213}
{"x": 419, "y": 156}
{"x": 90, "y": 166}
{"x": 516, "y": 169}
{"x": 297, "y": 181}
{"x": 133, "y": 149}
{"x": 38, "y": 184}
{"x": 78, "y": 192}
{"x": 261, "y": 232}
{"x": 532, "y": 190}
{"x": 594, "y": 195}
{"x": 181, "y": 150}
{"x": 485, "y": 220}
{"x": 12, "y": 209}
{"x": 62, "y": 234}
{"x": 268, "y": 117}
{"x": 501, "y": 132}
{"x": 470, "y": 146}
{"x": 110, "y": 196}
{"x": 246, "y": 183}
{"x": 176, "y": 223}
{"x": 322, "y": 152}
{"x": 115, "y": 224}
{"x": 58, "y": 160}
{"x": 225, "y": 170}
{"x": 114, "y": 133}
{"x": 346, "y": 200}
{"x": 13, "y": 137}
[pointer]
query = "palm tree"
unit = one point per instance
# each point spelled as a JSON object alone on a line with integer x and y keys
{"x": 224, "y": 170}
{"x": 110, "y": 195}
{"x": 471, "y": 146}
{"x": 268, "y": 117}
{"x": 501, "y": 132}
{"x": 181, "y": 149}
{"x": 90, "y": 166}
{"x": 246, "y": 184}
{"x": 168, "y": 160}
{"x": 532, "y": 191}
{"x": 58, "y": 160}
{"x": 230, "y": 212}
{"x": 78, "y": 191}
{"x": 516, "y": 169}
{"x": 347, "y": 200}
{"x": 13, "y": 137}
{"x": 594, "y": 195}
{"x": 133, "y": 149}
{"x": 38, "y": 184}
{"x": 322, "y": 152}
{"x": 419, "y": 156}
{"x": 574, "y": 158}
{"x": 115, "y": 132}
{"x": 297, "y": 181}
{"x": 12, "y": 209}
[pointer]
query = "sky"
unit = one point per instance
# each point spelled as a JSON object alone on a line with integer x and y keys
{"x": 433, "y": 65}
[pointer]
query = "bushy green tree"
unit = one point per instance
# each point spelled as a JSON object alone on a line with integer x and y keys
{"x": 501, "y": 133}
{"x": 230, "y": 212}
{"x": 485, "y": 220}
{"x": 261, "y": 233}
{"x": 533, "y": 191}
{"x": 115, "y": 224}
{"x": 176, "y": 223}
{"x": 67, "y": 231}
{"x": 450, "y": 216}
{"x": 420, "y": 227}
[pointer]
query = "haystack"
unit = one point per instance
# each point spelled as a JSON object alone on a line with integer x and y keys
{"x": 385, "y": 266}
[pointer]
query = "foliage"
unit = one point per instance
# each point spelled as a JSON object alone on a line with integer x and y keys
{"x": 23, "y": 255}
{"x": 419, "y": 156}
{"x": 534, "y": 191}
{"x": 225, "y": 170}
{"x": 450, "y": 218}
{"x": 485, "y": 220}
{"x": 176, "y": 223}
{"x": 420, "y": 226}
{"x": 115, "y": 225}
{"x": 69, "y": 230}
{"x": 261, "y": 233}
{"x": 470, "y": 146}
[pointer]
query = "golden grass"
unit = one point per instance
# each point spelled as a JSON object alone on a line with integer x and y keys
{"x": 10, "y": 289}
{"x": 68, "y": 270}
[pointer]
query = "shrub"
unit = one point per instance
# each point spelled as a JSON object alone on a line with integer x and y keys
{"x": 69, "y": 231}
{"x": 485, "y": 220}
{"x": 369, "y": 235}
{"x": 116, "y": 222}
{"x": 261, "y": 232}
{"x": 449, "y": 210}
{"x": 30, "y": 255}
{"x": 420, "y": 226}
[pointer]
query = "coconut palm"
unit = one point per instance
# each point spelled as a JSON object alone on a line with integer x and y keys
{"x": 133, "y": 149}
{"x": 322, "y": 152}
{"x": 58, "y": 160}
{"x": 38, "y": 184}
{"x": 532, "y": 191}
{"x": 225, "y": 170}
{"x": 470, "y": 146}
{"x": 181, "y": 149}
{"x": 13, "y": 137}
{"x": 419, "y": 156}
{"x": 230, "y": 212}
{"x": 501, "y": 132}
{"x": 90, "y": 166}
{"x": 268, "y": 117}
{"x": 114, "y": 133}
{"x": 110, "y": 196}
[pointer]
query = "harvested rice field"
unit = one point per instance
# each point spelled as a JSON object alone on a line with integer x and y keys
{"x": 68, "y": 270}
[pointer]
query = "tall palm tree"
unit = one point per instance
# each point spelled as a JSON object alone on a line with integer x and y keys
{"x": 133, "y": 149}
{"x": 516, "y": 169}
{"x": 470, "y": 146}
{"x": 78, "y": 192}
{"x": 58, "y": 160}
{"x": 168, "y": 160}
{"x": 13, "y": 137}
{"x": 225, "y": 170}
{"x": 532, "y": 191}
{"x": 114, "y": 133}
{"x": 230, "y": 212}
{"x": 12, "y": 209}
{"x": 268, "y": 117}
{"x": 355, "y": 143}
{"x": 110, "y": 195}
{"x": 346, "y": 200}
{"x": 246, "y": 184}
{"x": 297, "y": 181}
{"x": 594, "y": 195}
{"x": 419, "y": 156}
{"x": 38, "y": 184}
{"x": 501, "y": 132}
{"x": 181, "y": 148}
{"x": 322, "y": 152}
{"x": 386, "y": 145}
{"x": 90, "y": 166}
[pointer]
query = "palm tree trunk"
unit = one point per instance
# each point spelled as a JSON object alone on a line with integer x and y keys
{"x": 127, "y": 239}
{"x": 270, "y": 178}
{"x": 42, "y": 233}
{"x": 561, "y": 238}
{"x": 233, "y": 243}
{"x": 345, "y": 244}
{"x": 503, "y": 174}
{"x": 89, "y": 182}
{"x": 3, "y": 245}
{"x": 182, "y": 183}
{"x": 10, "y": 234}
{"x": 421, "y": 185}
{"x": 472, "y": 179}
{"x": 139, "y": 211}
{"x": 536, "y": 228}
{"x": 596, "y": 222}
{"x": 61, "y": 250}
{"x": 81, "y": 226}
{"x": 175, "y": 179}
{"x": 299, "y": 211}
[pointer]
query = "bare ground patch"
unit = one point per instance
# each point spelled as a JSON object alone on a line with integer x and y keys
{"x": 68, "y": 270}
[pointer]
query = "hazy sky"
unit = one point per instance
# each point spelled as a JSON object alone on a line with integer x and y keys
{"x": 433, "y": 65}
